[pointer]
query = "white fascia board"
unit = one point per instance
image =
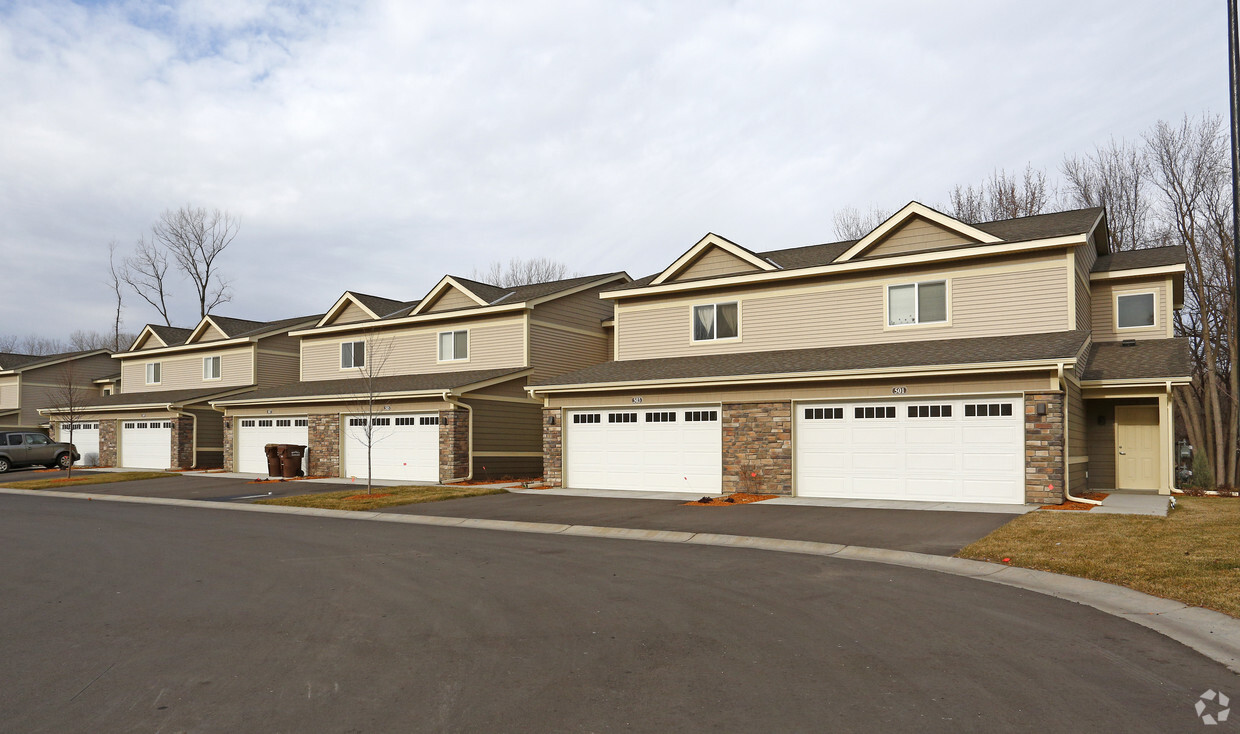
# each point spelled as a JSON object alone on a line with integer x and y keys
{"x": 344, "y": 299}
{"x": 147, "y": 332}
{"x": 201, "y": 346}
{"x": 444, "y": 283}
{"x": 910, "y": 210}
{"x": 1159, "y": 382}
{"x": 406, "y": 320}
{"x": 1138, "y": 272}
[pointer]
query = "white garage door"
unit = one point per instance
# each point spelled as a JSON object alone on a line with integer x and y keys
{"x": 253, "y": 434}
{"x": 402, "y": 447}
{"x": 661, "y": 449}
{"x": 952, "y": 450}
{"x": 86, "y": 439}
{"x": 146, "y": 444}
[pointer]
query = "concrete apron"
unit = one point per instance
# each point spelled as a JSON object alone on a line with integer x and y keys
{"x": 1215, "y": 635}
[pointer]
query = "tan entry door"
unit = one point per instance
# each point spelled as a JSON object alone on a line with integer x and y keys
{"x": 1136, "y": 447}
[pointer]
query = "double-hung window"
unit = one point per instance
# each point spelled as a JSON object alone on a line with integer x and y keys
{"x": 716, "y": 321}
{"x": 152, "y": 373}
{"x": 453, "y": 345}
{"x": 1134, "y": 310}
{"x": 917, "y": 303}
{"x": 211, "y": 368}
{"x": 352, "y": 354}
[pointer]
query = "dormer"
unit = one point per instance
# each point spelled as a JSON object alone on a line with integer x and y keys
{"x": 154, "y": 336}
{"x": 917, "y": 228}
{"x": 713, "y": 256}
{"x": 453, "y": 293}
{"x": 352, "y": 308}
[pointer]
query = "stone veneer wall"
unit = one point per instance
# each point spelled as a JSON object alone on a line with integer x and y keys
{"x": 182, "y": 442}
{"x": 553, "y": 447}
{"x": 453, "y": 444}
{"x": 228, "y": 444}
{"x": 324, "y": 437}
{"x": 107, "y": 443}
{"x": 1044, "y": 449}
{"x": 757, "y": 447}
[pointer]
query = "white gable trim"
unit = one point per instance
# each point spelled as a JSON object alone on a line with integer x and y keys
{"x": 201, "y": 327}
{"x": 444, "y": 284}
{"x": 144, "y": 335}
{"x": 911, "y": 210}
{"x": 712, "y": 240}
{"x": 340, "y": 305}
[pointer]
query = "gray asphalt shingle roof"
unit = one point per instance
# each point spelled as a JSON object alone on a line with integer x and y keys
{"x": 175, "y": 397}
{"x": 1146, "y": 359}
{"x": 11, "y": 361}
{"x": 1150, "y": 257}
{"x": 393, "y": 384}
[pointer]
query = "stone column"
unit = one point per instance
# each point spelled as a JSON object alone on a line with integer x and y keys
{"x": 757, "y": 448}
{"x": 107, "y": 443}
{"x": 1044, "y": 448}
{"x": 182, "y": 442}
{"x": 553, "y": 447}
{"x": 453, "y": 444}
{"x": 323, "y": 433}
{"x": 228, "y": 444}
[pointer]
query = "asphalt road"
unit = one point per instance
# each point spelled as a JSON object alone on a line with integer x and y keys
{"x": 121, "y": 617}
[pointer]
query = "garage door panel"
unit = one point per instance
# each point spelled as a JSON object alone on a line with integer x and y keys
{"x": 402, "y": 447}
{"x": 253, "y": 434}
{"x": 146, "y": 444}
{"x": 931, "y": 462}
{"x": 650, "y": 449}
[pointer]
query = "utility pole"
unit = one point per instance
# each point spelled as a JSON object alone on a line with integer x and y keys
{"x": 1233, "y": 72}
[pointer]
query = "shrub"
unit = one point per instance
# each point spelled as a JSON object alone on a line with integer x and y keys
{"x": 1203, "y": 476}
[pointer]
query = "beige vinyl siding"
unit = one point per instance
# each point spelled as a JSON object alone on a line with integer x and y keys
{"x": 211, "y": 334}
{"x": 150, "y": 341}
{"x": 209, "y": 425}
{"x": 451, "y": 299}
{"x": 916, "y": 236}
{"x": 1032, "y": 381}
{"x": 1102, "y": 304}
{"x": 1021, "y": 296}
{"x": 713, "y": 263}
{"x": 1077, "y": 444}
{"x": 1084, "y": 304}
{"x": 184, "y": 371}
{"x": 493, "y": 343}
{"x": 352, "y": 313}
{"x": 502, "y": 427}
{"x": 557, "y": 352}
{"x": 10, "y": 392}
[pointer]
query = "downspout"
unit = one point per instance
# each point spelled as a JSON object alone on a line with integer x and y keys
{"x": 469, "y": 454}
{"x": 194, "y": 442}
{"x": 1067, "y": 486}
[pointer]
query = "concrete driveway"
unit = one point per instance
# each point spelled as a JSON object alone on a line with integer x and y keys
{"x": 122, "y": 617}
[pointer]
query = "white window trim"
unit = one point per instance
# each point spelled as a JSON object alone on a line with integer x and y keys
{"x": 206, "y": 361}
{"x": 693, "y": 307}
{"x": 1115, "y": 296}
{"x": 469, "y": 347}
{"x": 340, "y": 352}
{"x": 947, "y": 296}
{"x": 146, "y": 373}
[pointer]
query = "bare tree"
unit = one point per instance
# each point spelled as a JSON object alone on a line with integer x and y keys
{"x": 852, "y": 224}
{"x": 67, "y": 400}
{"x": 83, "y": 340}
{"x": 1002, "y": 196}
{"x": 31, "y": 345}
{"x": 195, "y": 238}
{"x": 1116, "y": 177}
{"x": 114, "y": 282}
{"x": 523, "y": 272}
{"x": 366, "y": 423}
{"x": 146, "y": 272}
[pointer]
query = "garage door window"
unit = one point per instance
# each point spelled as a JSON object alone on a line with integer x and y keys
{"x": 929, "y": 411}
{"x": 701, "y": 415}
{"x": 982, "y": 410}
{"x": 824, "y": 414}
{"x": 621, "y": 417}
{"x": 875, "y": 411}
{"x": 586, "y": 418}
{"x": 917, "y": 303}
{"x": 661, "y": 416}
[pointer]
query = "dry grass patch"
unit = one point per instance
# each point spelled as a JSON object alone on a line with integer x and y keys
{"x": 108, "y": 478}
{"x": 351, "y": 499}
{"x": 1193, "y": 555}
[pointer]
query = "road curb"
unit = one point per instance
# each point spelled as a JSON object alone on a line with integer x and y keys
{"x": 1213, "y": 634}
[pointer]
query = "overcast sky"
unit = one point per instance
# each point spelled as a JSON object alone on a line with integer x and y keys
{"x": 375, "y": 146}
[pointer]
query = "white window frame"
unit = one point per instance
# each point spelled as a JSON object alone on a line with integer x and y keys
{"x": 159, "y": 373}
{"x": 439, "y": 346}
{"x": 917, "y": 284}
{"x": 714, "y": 315}
{"x": 216, "y": 360}
{"x": 352, "y": 353}
{"x": 1115, "y": 309}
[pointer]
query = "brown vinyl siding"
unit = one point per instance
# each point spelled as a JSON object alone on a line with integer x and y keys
{"x": 503, "y": 426}
{"x": 42, "y": 387}
{"x": 277, "y": 369}
{"x": 509, "y": 389}
{"x": 916, "y": 236}
{"x": 556, "y": 352}
{"x": 1085, "y": 256}
{"x": 10, "y": 390}
{"x": 1100, "y": 443}
{"x": 493, "y": 343}
{"x": 1077, "y": 443}
{"x": 1084, "y": 304}
{"x": 210, "y": 427}
{"x": 452, "y": 298}
{"x": 1032, "y": 298}
{"x": 352, "y": 313}
{"x": 584, "y": 310}
{"x": 713, "y": 263}
{"x": 1102, "y": 305}
{"x": 184, "y": 371}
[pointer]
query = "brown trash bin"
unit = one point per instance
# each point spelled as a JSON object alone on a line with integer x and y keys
{"x": 290, "y": 459}
{"x": 273, "y": 460}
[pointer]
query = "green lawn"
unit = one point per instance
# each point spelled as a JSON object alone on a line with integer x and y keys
{"x": 355, "y": 499}
{"x": 1192, "y": 555}
{"x": 59, "y": 482}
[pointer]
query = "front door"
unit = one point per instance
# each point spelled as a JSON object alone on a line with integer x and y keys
{"x": 1136, "y": 447}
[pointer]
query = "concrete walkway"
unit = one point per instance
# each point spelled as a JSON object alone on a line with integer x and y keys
{"x": 1134, "y": 504}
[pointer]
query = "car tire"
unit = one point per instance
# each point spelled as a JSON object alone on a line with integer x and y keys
{"x": 64, "y": 461}
{"x": 4, "y": 465}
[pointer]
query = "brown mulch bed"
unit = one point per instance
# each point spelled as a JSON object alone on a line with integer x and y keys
{"x": 738, "y": 498}
{"x": 1079, "y": 506}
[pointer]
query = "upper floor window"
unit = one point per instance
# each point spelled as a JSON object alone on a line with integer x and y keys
{"x": 917, "y": 303}
{"x": 1134, "y": 310}
{"x": 716, "y": 321}
{"x": 211, "y": 368}
{"x": 453, "y": 345}
{"x": 152, "y": 373}
{"x": 352, "y": 354}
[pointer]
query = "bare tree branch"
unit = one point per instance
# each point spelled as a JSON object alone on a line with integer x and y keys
{"x": 377, "y": 351}
{"x": 114, "y": 281}
{"x": 852, "y": 224}
{"x": 146, "y": 272}
{"x": 195, "y": 238}
{"x": 523, "y": 272}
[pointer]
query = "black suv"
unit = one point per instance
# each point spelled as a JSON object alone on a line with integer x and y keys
{"x": 27, "y": 448}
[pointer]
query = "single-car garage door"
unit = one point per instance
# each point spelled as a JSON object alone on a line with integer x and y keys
{"x": 402, "y": 447}
{"x": 85, "y": 439}
{"x": 146, "y": 444}
{"x": 253, "y": 435}
{"x": 940, "y": 450}
{"x": 662, "y": 449}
